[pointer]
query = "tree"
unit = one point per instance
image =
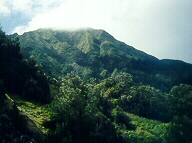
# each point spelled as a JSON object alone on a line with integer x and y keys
{"x": 180, "y": 105}
{"x": 145, "y": 101}
{"x": 180, "y": 100}
{"x": 79, "y": 114}
{"x": 179, "y": 130}
{"x": 21, "y": 76}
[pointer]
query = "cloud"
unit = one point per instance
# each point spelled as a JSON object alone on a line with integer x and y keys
{"x": 160, "y": 28}
{"x": 4, "y": 11}
{"x": 78, "y": 13}
{"x": 29, "y": 8}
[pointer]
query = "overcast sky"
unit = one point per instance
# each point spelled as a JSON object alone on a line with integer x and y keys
{"x": 162, "y": 28}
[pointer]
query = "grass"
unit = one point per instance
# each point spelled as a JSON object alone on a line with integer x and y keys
{"x": 37, "y": 112}
{"x": 146, "y": 130}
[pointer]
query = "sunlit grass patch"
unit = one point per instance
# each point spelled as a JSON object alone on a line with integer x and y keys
{"x": 146, "y": 130}
{"x": 37, "y": 112}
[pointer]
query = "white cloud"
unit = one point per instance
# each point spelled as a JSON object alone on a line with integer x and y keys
{"x": 29, "y": 8}
{"x": 156, "y": 27}
{"x": 4, "y": 10}
{"x": 78, "y": 13}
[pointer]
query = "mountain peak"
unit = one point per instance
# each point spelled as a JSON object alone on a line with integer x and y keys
{"x": 89, "y": 52}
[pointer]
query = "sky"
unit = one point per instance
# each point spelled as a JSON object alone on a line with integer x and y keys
{"x": 162, "y": 28}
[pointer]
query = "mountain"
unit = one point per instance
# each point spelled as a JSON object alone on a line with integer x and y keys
{"x": 116, "y": 109}
{"x": 95, "y": 53}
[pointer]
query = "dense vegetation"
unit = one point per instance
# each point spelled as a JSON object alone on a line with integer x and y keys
{"x": 21, "y": 76}
{"x": 77, "y": 107}
{"x": 95, "y": 53}
{"x": 88, "y": 112}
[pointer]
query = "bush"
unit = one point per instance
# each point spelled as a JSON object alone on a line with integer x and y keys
{"x": 180, "y": 105}
{"x": 80, "y": 115}
{"x": 145, "y": 101}
{"x": 179, "y": 130}
{"x": 180, "y": 99}
{"x": 21, "y": 76}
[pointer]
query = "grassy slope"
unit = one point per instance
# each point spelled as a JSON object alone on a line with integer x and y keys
{"x": 146, "y": 130}
{"x": 36, "y": 112}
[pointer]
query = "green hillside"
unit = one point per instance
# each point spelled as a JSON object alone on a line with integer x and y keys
{"x": 20, "y": 80}
{"x": 86, "y": 87}
{"x": 95, "y": 53}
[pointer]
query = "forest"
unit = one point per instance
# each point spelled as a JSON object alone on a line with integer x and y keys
{"x": 42, "y": 106}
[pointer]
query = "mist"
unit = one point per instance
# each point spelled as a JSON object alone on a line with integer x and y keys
{"x": 160, "y": 28}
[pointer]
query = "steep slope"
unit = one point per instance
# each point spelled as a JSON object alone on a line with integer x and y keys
{"x": 21, "y": 77}
{"x": 114, "y": 110}
{"x": 95, "y": 53}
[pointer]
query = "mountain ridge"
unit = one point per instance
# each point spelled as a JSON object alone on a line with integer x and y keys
{"x": 96, "y": 53}
{"x": 116, "y": 109}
